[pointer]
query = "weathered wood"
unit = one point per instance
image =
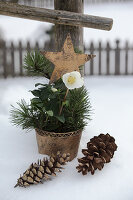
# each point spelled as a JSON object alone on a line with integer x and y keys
{"x": 108, "y": 58}
{"x": 126, "y": 57}
{"x": 91, "y": 62}
{"x": 37, "y": 46}
{"x": 12, "y": 60}
{"x": 55, "y": 16}
{"x": 67, "y": 60}
{"x": 14, "y": 1}
{"x": 28, "y": 46}
{"x": 4, "y": 60}
{"x": 20, "y": 58}
{"x": 117, "y": 58}
{"x": 99, "y": 52}
{"x": 61, "y": 31}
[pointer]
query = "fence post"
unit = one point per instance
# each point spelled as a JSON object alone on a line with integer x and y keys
{"x": 37, "y": 46}
{"x": 117, "y": 58}
{"x": 12, "y": 60}
{"x": 91, "y": 61}
{"x": 85, "y": 64}
{"x": 20, "y": 57}
{"x": 126, "y": 57}
{"x": 28, "y": 46}
{"x": 108, "y": 58}
{"x": 99, "y": 52}
{"x": 4, "y": 60}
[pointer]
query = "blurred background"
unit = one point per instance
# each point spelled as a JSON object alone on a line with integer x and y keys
{"x": 113, "y": 49}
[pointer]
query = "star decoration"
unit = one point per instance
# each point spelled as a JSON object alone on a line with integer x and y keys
{"x": 67, "y": 60}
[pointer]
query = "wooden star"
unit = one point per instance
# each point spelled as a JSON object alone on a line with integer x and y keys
{"x": 67, "y": 60}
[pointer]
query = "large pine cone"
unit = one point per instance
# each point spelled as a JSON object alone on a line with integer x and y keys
{"x": 38, "y": 172}
{"x": 99, "y": 150}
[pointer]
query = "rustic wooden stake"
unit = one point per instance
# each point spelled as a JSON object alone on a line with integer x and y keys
{"x": 61, "y": 31}
{"x": 66, "y": 22}
{"x": 55, "y": 16}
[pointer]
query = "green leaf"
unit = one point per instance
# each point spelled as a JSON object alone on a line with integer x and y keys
{"x": 52, "y": 96}
{"x": 35, "y": 100}
{"x": 36, "y": 93}
{"x": 61, "y": 118}
{"x": 40, "y": 105}
{"x": 50, "y": 113}
{"x": 44, "y": 95}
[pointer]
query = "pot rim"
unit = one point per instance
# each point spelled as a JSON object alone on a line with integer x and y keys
{"x": 53, "y": 134}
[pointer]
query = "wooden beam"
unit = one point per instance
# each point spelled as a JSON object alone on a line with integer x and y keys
{"x": 55, "y": 16}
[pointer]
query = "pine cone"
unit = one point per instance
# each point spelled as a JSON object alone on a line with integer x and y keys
{"x": 99, "y": 150}
{"x": 38, "y": 172}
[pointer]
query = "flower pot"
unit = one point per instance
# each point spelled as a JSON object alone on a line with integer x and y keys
{"x": 50, "y": 142}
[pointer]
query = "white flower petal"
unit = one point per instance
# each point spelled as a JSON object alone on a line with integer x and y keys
{"x": 76, "y": 74}
{"x": 65, "y": 77}
{"x": 73, "y": 80}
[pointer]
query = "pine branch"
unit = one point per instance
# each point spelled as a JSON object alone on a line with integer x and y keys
{"x": 43, "y": 114}
{"x": 37, "y": 65}
{"x": 23, "y": 116}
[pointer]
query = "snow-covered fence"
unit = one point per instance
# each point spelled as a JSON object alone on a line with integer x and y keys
{"x": 109, "y": 60}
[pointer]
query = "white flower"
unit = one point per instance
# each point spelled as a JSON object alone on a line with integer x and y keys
{"x": 54, "y": 89}
{"x": 73, "y": 80}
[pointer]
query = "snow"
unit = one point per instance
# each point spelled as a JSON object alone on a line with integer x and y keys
{"x": 112, "y": 102}
{"x": 121, "y": 12}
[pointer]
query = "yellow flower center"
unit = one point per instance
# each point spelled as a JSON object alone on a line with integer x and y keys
{"x": 71, "y": 79}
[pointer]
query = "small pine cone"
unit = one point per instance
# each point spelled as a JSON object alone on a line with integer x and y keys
{"x": 38, "y": 172}
{"x": 99, "y": 150}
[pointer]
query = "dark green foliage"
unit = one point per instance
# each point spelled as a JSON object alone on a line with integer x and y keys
{"x": 43, "y": 111}
{"x": 24, "y": 116}
{"x": 37, "y": 65}
{"x": 78, "y": 110}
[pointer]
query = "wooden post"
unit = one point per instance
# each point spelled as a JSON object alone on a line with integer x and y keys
{"x": 91, "y": 61}
{"x": 99, "y": 50}
{"x": 126, "y": 58}
{"x": 108, "y": 58}
{"x": 12, "y": 60}
{"x": 20, "y": 58}
{"x": 61, "y": 31}
{"x": 37, "y": 46}
{"x": 28, "y": 46}
{"x": 117, "y": 58}
{"x": 4, "y": 60}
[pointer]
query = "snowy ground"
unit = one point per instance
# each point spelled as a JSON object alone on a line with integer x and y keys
{"x": 112, "y": 101}
{"x": 122, "y": 14}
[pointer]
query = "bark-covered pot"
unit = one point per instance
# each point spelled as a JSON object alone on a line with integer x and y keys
{"x": 50, "y": 142}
